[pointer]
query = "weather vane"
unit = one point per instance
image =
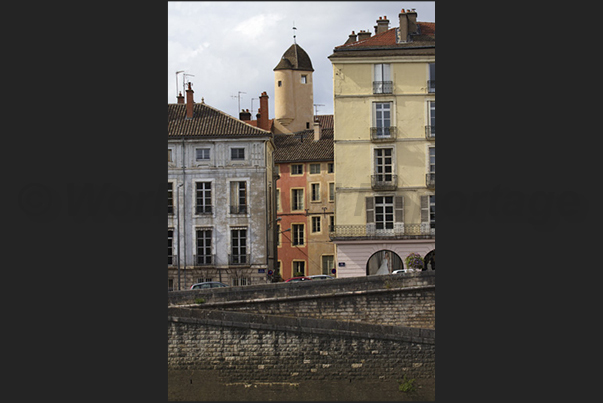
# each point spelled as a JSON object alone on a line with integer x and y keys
{"x": 294, "y": 29}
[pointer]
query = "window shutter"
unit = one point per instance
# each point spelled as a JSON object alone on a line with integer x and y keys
{"x": 370, "y": 210}
{"x": 399, "y": 208}
{"x": 386, "y": 73}
{"x": 424, "y": 209}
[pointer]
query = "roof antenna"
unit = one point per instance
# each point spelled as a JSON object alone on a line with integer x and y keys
{"x": 178, "y": 72}
{"x": 184, "y": 81}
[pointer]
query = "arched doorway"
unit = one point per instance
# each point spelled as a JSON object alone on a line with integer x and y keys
{"x": 385, "y": 260}
{"x": 429, "y": 261}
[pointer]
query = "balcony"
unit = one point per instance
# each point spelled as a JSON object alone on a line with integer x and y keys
{"x": 383, "y": 134}
{"x": 370, "y": 231}
{"x": 431, "y": 86}
{"x": 204, "y": 260}
{"x": 238, "y": 209}
{"x": 384, "y": 182}
{"x": 239, "y": 260}
{"x": 430, "y": 132}
{"x": 383, "y": 87}
{"x": 430, "y": 180}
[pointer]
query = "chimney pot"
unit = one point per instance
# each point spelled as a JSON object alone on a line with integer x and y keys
{"x": 262, "y": 116}
{"x": 317, "y": 130}
{"x": 189, "y": 102}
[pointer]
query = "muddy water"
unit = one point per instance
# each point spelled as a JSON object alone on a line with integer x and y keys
{"x": 205, "y": 386}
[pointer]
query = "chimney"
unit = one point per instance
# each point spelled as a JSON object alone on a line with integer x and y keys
{"x": 317, "y": 130}
{"x": 180, "y": 98}
{"x": 382, "y": 25}
{"x": 412, "y": 22}
{"x": 245, "y": 115}
{"x": 403, "y": 31}
{"x": 263, "y": 121}
{"x": 189, "y": 102}
{"x": 351, "y": 39}
{"x": 363, "y": 35}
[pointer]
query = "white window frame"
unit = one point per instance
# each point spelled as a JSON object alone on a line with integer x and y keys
{"x": 204, "y": 198}
{"x": 377, "y": 122}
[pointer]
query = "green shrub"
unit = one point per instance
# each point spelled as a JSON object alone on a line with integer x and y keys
{"x": 199, "y": 300}
{"x": 406, "y": 385}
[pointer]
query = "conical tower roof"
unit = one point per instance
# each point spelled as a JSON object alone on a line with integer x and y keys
{"x": 295, "y": 58}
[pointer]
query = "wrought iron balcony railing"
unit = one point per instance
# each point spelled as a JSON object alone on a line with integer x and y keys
{"x": 376, "y": 231}
{"x": 199, "y": 210}
{"x": 204, "y": 260}
{"x": 383, "y": 87}
{"x": 430, "y": 180}
{"x": 431, "y": 86}
{"x": 384, "y": 182}
{"x": 238, "y": 209}
{"x": 430, "y": 132}
{"x": 383, "y": 134}
{"x": 239, "y": 260}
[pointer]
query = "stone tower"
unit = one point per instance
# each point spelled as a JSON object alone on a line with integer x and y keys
{"x": 293, "y": 93}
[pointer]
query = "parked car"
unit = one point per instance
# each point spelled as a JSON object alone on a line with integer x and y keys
{"x": 208, "y": 284}
{"x": 321, "y": 277}
{"x": 399, "y": 271}
{"x": 296, "y": 279}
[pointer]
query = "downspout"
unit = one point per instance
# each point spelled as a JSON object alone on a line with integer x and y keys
{"x": 184, "y": 210}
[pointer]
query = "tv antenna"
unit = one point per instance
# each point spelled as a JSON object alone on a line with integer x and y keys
{"x": 184, "y": 81}
{"x": 252, "y": 103}
{"x": 316, "y": 109}
{"x": 238, "y": 96}
{"x": 178, "y": 72}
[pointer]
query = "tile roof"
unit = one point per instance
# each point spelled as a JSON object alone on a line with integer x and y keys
{"x": 388, "y": 39}
{"x": 295, "y": 58}
{"x": 207, "y": 121}
{"x": 302, "y": 147}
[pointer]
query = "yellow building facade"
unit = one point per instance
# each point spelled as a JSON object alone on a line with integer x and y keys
{"x": 384, "y": 147}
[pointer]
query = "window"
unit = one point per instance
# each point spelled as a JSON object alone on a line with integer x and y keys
{"x": 238, "y": 243}
{"x": 278, "y": 235}
{"x": 299, "y": 268}
{"x": 202, "y": 154}
{"x": 316, "y": 224}
{"x": 237, "y": 154}
{"x": 384, "y": 212}
{"x": 280, "y": 83}
{"x": 332, "y": 223}
{"x": 169, "y": 155}
{"x": 382, "y": 83}
{"x": 330, "y": 167}
{"x": 432, "y": 211}
{"x": 331, "y": 192}
{"x": 298, "y": 234}
{"x": 203, "y": 198}
{"x": 238, "y": 197}
{"x": 431, "y": 130}
{"x": 304, "y": 79}
{"x": 241, "y": 281}
{"x": 170, "y": 284}
{"x": 170, "y": 191}
{"x": 297, "y": 199}
{"x": 278, "y": 200}
{"x": 170, "y": 247}
{"x": 315, "y": 190}
{"x": 432, "y": 160}
{"x": 383, "y": 165}
{"x": 431, "y": 82}
{"x": 297, "y": 169}
{"x": 328, "y": 264}
{"x": 204, "y": 254}
{"x": 428, "y": 211}
{"x": 382, "y": 119}
{"x": 314, "y": 169}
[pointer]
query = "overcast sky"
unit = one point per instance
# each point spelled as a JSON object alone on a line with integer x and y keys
{"x": 234, "y": 46}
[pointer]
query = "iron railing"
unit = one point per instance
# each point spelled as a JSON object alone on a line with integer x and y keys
{"x": 384, "y": 182}
{"x": 383, "y": 87}
{"x": 383, "y": 134}
{"x": 238, "y": 209}
{"x": 239, "y": 260}
{"x": 375, "y": 231}
{"x": 430, "y": 180}
{"x": 204, "y": 260}
{"x": 431, "y": 86}
{"x": 430, "y": 132}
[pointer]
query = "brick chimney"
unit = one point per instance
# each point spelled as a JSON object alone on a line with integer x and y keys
{"x": 245, "y": 115}
{"x": 363, "y": 35}
{"x": 263, "y": 121}
{"x": 180, "y": 98}
{"x": 403, "y": 31}
{"x": 189, "y": 102}
{"x": 412, "y": 21}
{"x": 382, "y": 25}
{"x": 351, "y": 39}
{"x": 317, "y": 130}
